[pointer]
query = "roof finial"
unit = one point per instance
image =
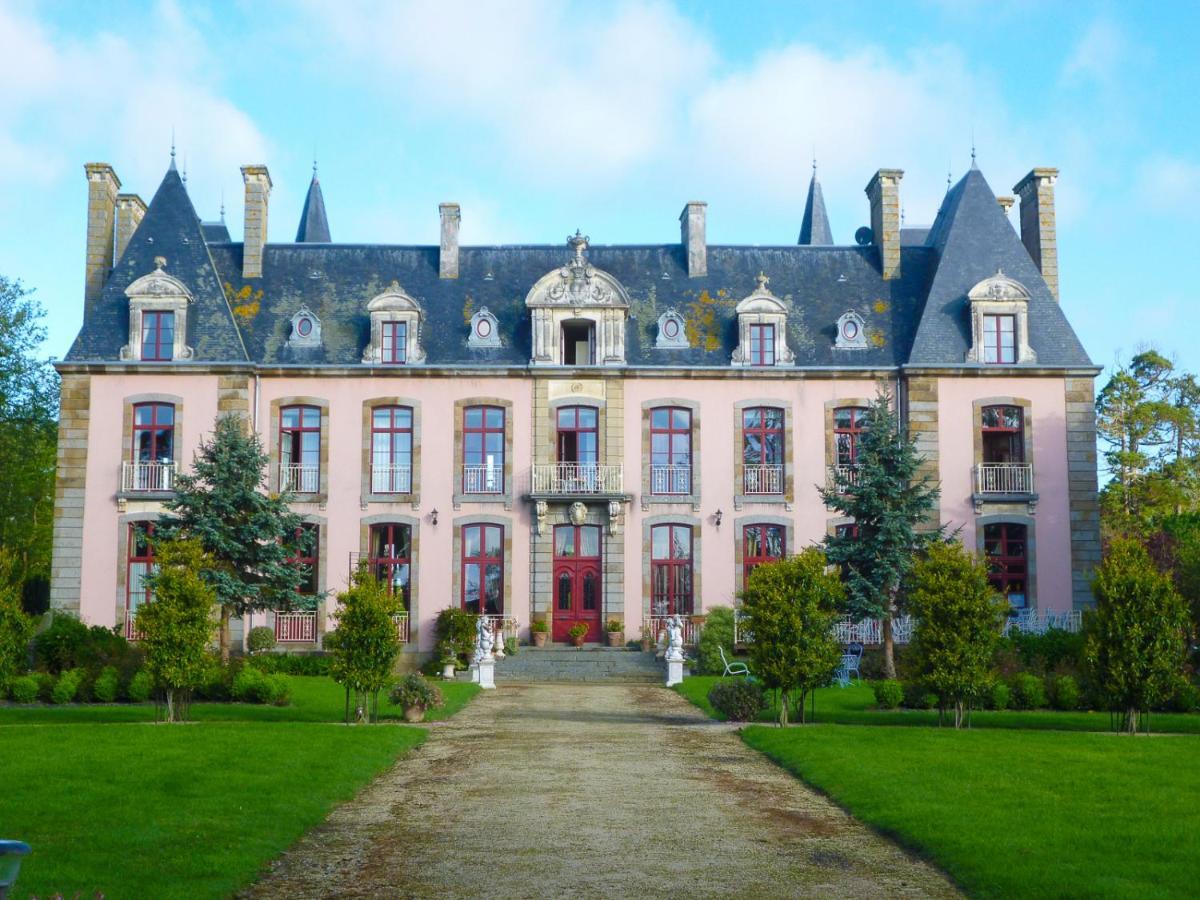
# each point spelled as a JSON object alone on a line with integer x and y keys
{"x": 183, "y": 175}
{"x": 762, "y": 280}
{"x": 947, "y": 176}
{"x": 172, "y": 167}
{"x": 973, "y": 165}
{"x": 814, "y": 160}
{"x": 222, "y": 206}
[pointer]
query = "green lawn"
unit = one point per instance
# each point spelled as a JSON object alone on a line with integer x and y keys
{"x": 1016, "y": 814}
{"x": 852, "y": 706}
{"x": 113, "y": 804}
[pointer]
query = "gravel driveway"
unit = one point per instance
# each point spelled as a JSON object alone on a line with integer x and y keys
{"x": 547, "y": 791}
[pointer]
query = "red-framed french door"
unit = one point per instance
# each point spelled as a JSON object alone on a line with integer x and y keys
{"x": 577, "y": 580}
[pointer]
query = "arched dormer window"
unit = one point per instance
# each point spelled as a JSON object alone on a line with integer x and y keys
{"x": 578, "y": 314}
{"x": 395, "y": 329}
{"x": 1000, "y": 322}
{"x": 762, "y": 330}
{"x": 158, "y": 307}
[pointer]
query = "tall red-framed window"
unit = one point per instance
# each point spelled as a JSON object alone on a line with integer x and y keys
{"x": 483, "y": 450}
{"x": 999, "y": 339}
{"x": 300, "y": 448}
{"x": 1003, "y": 430}
{"x": 762, "y": 345}
{"x": 308, "y": 555}
{"x": 763, "y": 449}
{"x": 390, "y": 558}
{"x": 139, "y": 565}
{"x": 762, "y": 544}
{"x": 158, "y": 335}
{"x": 671, "y": 577}
{"x": 391, "y": 449}
{"x": 483, "y": 569}
{"x": 154, "y": 433}
{"x": 849, "y": 423}
{"x": 395, "y": 343}
{"x": 578, "y": 435}
{"x": 670, "y": 450}
{"x": 1006, "y": 546}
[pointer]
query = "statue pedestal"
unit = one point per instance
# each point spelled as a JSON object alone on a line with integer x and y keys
{"x": 487, "y": 674}
{"x": 474, "y": 671}
{"x": 674, "y": 672}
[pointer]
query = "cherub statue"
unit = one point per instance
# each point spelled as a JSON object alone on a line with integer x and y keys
{"x": 483, "y": 639}
{"x": 674, "y": 639}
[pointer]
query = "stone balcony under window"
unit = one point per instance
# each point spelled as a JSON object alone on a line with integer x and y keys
{"x": 667, "y": 480}
{"x": 577, "y": 480}
{"x": 843, "y": 475}
{"x": 391, "y": 479}
{"x": 300, "y": 479}
{"x": 763, "y": 479}
{"x": 1003, "y": 482}
{"x": 147, "y": 477}
{"x": 483, "y": 479}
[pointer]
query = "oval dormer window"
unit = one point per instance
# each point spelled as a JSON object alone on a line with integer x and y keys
{"x": 304, "y": 327}
{"x": 670, "y": 329}
{"x": 850, "y": 330}
{"x": 483, "y": 328}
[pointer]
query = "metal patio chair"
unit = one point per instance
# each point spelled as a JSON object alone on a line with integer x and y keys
{"x": 733, "y": 668}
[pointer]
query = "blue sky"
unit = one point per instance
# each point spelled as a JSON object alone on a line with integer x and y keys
{"x": 541, "y": 117}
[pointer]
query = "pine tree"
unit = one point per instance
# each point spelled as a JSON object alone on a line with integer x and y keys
{"x": 251, "y": 536}
{"x": 888, "y": 503}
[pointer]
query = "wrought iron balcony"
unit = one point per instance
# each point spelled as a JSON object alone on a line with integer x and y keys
{"x": 483, "y": 479}
{"x": 389, "y": 479}
{"x": 670, "y": 479}
{"x": 1004, "y": 478}
{"x": 843, "y": 475}
{"x": 760, "y": 479}
{"x": 147, "y": 476}
{"x": 296, "y": 627}
{"x": 570, "y": 479}
{"x": 300, "y": 479}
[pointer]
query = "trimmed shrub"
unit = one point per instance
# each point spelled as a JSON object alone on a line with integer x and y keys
{"x": 928, "y": 700}
{"x": 57, "y": 648}
{"x": 291, "y": 663}
{"x": 67, "y": 686}
{"x": 141, "y": 686}
{"x": 107, "y": 685}
{"x": 456, "y": 627}
{"x": 277, "y": 690}
{"x": 1028, "y": 692}
{"x": 24, "y": 689}
{"x": 999, "y": 696}
{"x": 888, "y": 694}
{"x": 1053, "y": 649}
{"x": 249, "y": 685}
{"x": 1185, "y": 697}
{"x": 738, "y": 699}
{"x": 46, "y": 683}
{"x": 261, "y": 638}
{"x": 717, "y": 633}
{"x": 1064, "y": 692}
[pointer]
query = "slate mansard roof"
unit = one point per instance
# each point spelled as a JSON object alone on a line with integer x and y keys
{"x": 920, "y": 318}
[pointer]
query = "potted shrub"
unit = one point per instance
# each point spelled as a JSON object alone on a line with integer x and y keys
{"x": 540, "y": 631}
{"x": 616, "y": 633}
{"x": 577, "y": 633}
{"x": 647, "y": 639}
{"x": 415, "y": 695}
{"x": 449, "y": 660}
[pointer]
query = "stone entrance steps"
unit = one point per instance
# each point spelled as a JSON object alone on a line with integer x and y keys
{"x": 566, "y": 664}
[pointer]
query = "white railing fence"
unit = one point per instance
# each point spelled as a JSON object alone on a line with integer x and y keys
{"x": 389, "y": 479}
{"x": 1032, "y": 621}
{"x": 763, "y": 479}
{"x": 577, "y": 478}
{"x": 482, "y": 480}
{"x": 670, "y": 479}
{"x": 296, "y": 627}
{"x": 657, "y": 626}
{"x": 300, "y": 479}
{"x": 1004, "y": 478}
{"x": 148, "y": 476}
{"x": 131, "y": 632}
{"x": 870, "y": 631}
{"x": 401, "y": 620}
{"x": 843, "y": 475}
{"x": 508, "y": 626}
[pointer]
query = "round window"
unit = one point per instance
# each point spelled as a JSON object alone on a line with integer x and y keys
{"x": 671, "y": 328}
{"x": 849, "y": 329}
{"x": 483, "y": 328}
{"x": 304, "y": 327}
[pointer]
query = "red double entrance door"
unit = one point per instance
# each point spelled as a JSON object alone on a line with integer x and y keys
{"x": 576, "y": 580}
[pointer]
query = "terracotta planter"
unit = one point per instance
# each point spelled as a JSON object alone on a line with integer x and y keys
{"x": 539, "y": 638}
{"x": 616, "y": 639}
{"x": 578, "y": 641}
{"x": 647, "y": 644}
{"x": 414, "y": 714}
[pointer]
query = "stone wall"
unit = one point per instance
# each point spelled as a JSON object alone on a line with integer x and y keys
{"x": 69, "y": 489}
{"x": 1082, "y": 488}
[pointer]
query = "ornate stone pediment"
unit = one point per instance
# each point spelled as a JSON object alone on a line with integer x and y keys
{"x": 577, "y": 285}
{"x": 999, "y": 288}
{"x": 395, "y": 305}
{"x": 672, "y": 331}
{"x": 306, "y": 329}
{"x": 158, "y": 292}
{"x": 762, "y": 301}
{"x": 485, "y": 329}
{"x": 762, "y": 312}
{"x": 394, "y": 299}
{"x": 851, "y": 332}
{"x": 1005, "y": 297}
{"x": 158, "y": 285}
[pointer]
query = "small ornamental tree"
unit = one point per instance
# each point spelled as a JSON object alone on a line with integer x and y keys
{"x": 364, "y": 645}
{"x": 1135, "y": 638}
{"x": 16, "y": 628}
{"x": 959, "y": 618}
{"x": 790, "y": 607}
{"x": 888, "y": 503}
{"x": 252, "y": 537}
{"x": 177, "y": 625}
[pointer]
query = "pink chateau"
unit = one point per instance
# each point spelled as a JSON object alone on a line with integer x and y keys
{"x": 570, "y": 432}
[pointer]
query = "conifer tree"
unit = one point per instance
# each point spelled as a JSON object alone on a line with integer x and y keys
{"x": 888, "y": 503}
{"x": 251, "y": 536}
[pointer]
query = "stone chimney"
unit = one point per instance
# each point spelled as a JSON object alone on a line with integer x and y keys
{"x": 103, "y": 187}
{"x": 1038, "y": 231}
{"x": 691, "y": 235}
{"x": 884, "y": 193}
{"x": 254, "y": 233}
{"x": 130, "y": 210}
{"x": 448, "y": 255}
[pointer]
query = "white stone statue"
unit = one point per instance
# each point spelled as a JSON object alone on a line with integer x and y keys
{"x": 483, "y": 640}
{"x": 674, "y": 639}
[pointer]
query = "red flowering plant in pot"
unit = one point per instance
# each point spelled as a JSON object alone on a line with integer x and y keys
{"x": 577, "y": 633}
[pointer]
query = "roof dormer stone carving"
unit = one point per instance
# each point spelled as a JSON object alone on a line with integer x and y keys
{"x": 306, "y": 329}
{"x": 999, "y": 295}
{"x": 158, "y": 291}
{"x": 851, "y": 332}
{"x": 395, "y": 305}
{"x": 485, "y": 330}
{"x": 672, "y": 331}
{"x": 762, "y": 308}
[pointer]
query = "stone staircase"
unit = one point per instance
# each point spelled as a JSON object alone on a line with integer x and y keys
{"x": 589, "y": 663}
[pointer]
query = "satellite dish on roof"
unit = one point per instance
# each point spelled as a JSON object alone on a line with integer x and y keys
{"x": 863, "y": 236}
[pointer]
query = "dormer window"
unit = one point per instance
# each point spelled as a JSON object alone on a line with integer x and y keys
{"x": 158, "y": 335}
{"x": 1000, "y": 322}
{"x": 306, "y": 329}
{"x": 395, "y": 329}
{"x": 578, "y": 341}
{"x": 762, "y": 330}
{"x": 158, "y": 306}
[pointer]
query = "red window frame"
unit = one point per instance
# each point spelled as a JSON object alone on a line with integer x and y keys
{"x": 389, "y": 547}
{"x": 567, "y": 438}
{"x": 847, "y": 428}
{"x": 139, "y": 533}
{"x": 395, "y": 432}
{"x": 479, "y": 434}
{"x": 671, "y": 445}
{"x": 765, "y": 433}
{"x": 762, "y": 344}
{"x": 153, "y": 332}
{"x": 846, "y": 531}
{"x": 291, "y": 437}
{"x": 394, "y": 342}
{"x": 159, "y": 430}
{"x": 995, "y": 350}
{"x": 308, "y": 556}
{"x": 1006, "y": 545}
{"x": 1003, "y": 420}
{"x": 756, "y": 546}
{"x": 672, "y": 579}
{"x": 482, "y": 559}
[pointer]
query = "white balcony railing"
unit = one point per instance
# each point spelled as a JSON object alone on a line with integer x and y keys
{"x": 296, "y": 627}
{"x": 300, "y": 479}
{"x": 505, "y": 626}
{"x": 482, "y": 479}
{"x": 846, "y": 630}
{"x": 389, "y": 479}
{"x": 1033, "y": 621}
{"x": 657, "y": 627}
{"x": 1004, "y": 478}
{"x": 844, "y": 475}
{"x": 147, "y": 476}
{"x": 131, "y": 632}
{"x": 764, "y": 479}
{"x": 670, "y": 479}
{"x": 577, "y": 478}
{"x": 401, "y": 620}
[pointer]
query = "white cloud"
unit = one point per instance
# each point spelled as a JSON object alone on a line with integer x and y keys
{"x": 1168, "y": 184}
{"x": 1098, "y": 56}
